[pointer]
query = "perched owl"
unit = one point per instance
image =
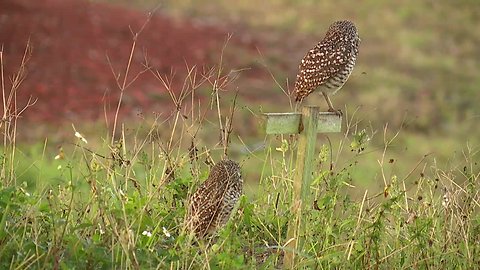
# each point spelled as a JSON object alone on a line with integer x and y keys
{"x": 211, "y": 205}
{"x": 328, "y": 65}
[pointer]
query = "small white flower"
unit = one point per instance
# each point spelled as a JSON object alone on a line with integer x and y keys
{"x": 147, "y": 233}
{"x": 57, "y": 157}
{"x": 167, "y": 234}
{"x": 100, "y": 230}
{"x": 445, "y": 201}
{"x": 446, "y": 198}
{"x": 59, "y": 167}
{"x": 78, "y": 135}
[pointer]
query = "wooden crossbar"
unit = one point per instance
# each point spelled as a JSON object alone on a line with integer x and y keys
{"x": 289, "y": 123}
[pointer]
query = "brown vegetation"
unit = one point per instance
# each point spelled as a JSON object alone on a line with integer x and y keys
{"x": 69, "y": 72}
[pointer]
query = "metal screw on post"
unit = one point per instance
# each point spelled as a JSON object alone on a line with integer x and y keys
{"x": 307, "y": 124}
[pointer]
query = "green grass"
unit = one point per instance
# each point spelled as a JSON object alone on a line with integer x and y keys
{"x": 114, "y": 206}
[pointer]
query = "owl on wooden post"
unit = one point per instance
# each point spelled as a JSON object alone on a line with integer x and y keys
{"x": 328, "y": 65}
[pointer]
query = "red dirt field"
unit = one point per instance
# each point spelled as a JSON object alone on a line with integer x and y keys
{"x": 68, "y": 72}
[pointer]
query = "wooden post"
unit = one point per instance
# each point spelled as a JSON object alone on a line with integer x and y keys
{"x": 307, "y": 124}
{"x": 301, "y": 182}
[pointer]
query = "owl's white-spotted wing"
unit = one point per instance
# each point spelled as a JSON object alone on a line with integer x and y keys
{"x": 319, "y": 65}
{"x": 211, "y": 205}
{"x": 204, "y": 205}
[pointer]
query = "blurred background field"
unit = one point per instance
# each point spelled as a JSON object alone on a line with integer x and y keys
{"x": 418, "y": 72}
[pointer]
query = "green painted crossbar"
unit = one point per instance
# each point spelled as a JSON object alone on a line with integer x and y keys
{"x": 289, "y": 123}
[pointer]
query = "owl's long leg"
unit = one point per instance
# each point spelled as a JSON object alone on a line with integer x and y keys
{"x": 330, "y": 105}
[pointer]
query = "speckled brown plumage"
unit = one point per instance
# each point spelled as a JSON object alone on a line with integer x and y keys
{"x": 328, "y": 65}
{"x": 211, "y": 205}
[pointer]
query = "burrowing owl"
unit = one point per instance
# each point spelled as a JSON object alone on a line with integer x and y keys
{"x": 328, "y": 65}
{"x": 211, "y": 205}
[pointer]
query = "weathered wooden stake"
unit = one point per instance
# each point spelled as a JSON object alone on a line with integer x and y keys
{"x": 307, "y": 124}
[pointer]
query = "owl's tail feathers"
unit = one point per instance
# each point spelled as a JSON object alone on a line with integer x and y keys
{"x": 297, "y": 105}
{"x": 298, "y": 101}
{"x": 298, "y": 98}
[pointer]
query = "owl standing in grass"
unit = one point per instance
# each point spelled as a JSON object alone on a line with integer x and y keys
{"x": 328, "y": 65}
{"x": 211, "y": 205}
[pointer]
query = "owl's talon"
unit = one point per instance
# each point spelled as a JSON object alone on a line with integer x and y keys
{"x": 336, "y": 112}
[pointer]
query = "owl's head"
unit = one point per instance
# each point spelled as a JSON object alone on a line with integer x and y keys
{"x": 227, "y": 170}
{"x": 344, "y": 30}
